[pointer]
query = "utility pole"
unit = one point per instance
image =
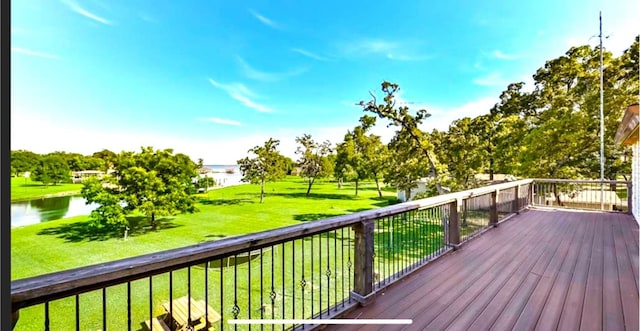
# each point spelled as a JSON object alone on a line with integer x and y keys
{"x": 601, "y": 122}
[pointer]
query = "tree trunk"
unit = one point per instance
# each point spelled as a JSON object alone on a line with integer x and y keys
{"x": 407, "y": 195}
{"x": 311, "y": 180}
{"x": 261, "y": 191}
{"x": 340, "y": 182}
{"x": 356, "y": 186}
{"x": 378, "y": 186}
{"x": 153, "y": 221}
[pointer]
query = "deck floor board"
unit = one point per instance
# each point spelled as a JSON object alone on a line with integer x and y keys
{"x": 543, "y": 269}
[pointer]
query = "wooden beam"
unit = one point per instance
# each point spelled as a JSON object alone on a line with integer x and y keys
{"x": 454, "y": 223}
{"x": 363, "y": 263}
{"x": 493, "y": 209}
{"x": 515, "y": 206}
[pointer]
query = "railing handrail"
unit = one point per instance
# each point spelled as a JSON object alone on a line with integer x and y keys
{"x": 39, "y": 289}
{"x": 581, "y": 181}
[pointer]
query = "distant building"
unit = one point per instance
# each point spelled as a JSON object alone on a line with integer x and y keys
{"x": 80, "y": 176}
{"x": 627, "y": 134}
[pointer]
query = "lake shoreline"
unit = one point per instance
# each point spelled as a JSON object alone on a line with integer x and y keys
{"x": 46, "y": 196}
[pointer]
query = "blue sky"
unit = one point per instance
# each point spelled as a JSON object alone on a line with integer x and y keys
{"x": 214, "y": 78}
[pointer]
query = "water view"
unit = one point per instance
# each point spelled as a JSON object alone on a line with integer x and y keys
{"x": 50, "y": 209}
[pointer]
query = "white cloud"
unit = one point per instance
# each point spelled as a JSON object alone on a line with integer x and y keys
{"x": 392, "y": 50}
{"x": 309, "y": 54}
{"x": 266, "y": 21}
{"x": 242, "y": 94}
{"x": 491, "y": 79}
{"x": 221, "y": 121}
{"x": 264, "y": 76}
{"x": 33, "y": 53}
{"x": 76, "y": 8}
{"x": 502, "y": 56}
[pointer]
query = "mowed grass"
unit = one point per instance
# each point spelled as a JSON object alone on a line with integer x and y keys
{"x": 59, "y": 245}
{"x": 26, "y": 189}
{"x": 70, "y": 243}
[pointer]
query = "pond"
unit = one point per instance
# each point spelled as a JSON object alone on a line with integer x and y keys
{"x": 48, "y": 209}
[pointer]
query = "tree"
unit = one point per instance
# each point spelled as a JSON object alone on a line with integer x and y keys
{"x": 266, "y": 165}
{"x": 108, "y": 158}
{"x": 360, "y": 156}
{"x": 153, "y": 182}
{"x": 408, "y": 125}
{"x": 52, "y": 169}
{"x": 23, "y": 161}
{"x": 313, "y": 160}
{"x": 105, "y": 193}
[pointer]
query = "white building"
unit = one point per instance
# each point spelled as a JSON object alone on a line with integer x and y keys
{"x": 627, "y": 134}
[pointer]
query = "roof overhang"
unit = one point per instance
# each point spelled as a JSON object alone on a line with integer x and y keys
{"x": 627, "y": 133}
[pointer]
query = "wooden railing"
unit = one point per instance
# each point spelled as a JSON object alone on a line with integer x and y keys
{"x": 608, "y": 195}
{"x": 312, "y": 270}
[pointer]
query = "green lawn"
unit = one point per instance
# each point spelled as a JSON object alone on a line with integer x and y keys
{"x": 69, "y": 243}
{"x": 25, "y": 189}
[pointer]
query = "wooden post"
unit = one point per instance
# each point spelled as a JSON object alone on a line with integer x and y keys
{"x": 14, "y": 318}
{"x": 515, "y": 207}
{"x": 363, "y": 263}
{"x": 493, "y": 209}
{"x": 630, "y": 197}
{"x": 531, "y": 189}
{"x": 454, "y": 221}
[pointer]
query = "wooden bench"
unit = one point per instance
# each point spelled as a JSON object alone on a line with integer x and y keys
{"x": 158, "y": 325}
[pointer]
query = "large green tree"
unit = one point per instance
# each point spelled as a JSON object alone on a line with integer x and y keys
{"x": 52, "y": 169}
{"x": 408, "y": 135}
{"x": 265, "y": 165}
{"x": 152, "y": 182}
{"x": 361, "y": 156}
{"x": 558, "y": 124}
{"x": 23, "y": 161}
{"x": 313, "y": 160}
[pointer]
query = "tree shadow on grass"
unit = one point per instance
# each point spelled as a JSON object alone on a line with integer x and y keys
{"x": 85, "y": 231}
{"x": 312, "y": 216}
{"x": 317, "y": 196}
{"x": 223, "y": 202}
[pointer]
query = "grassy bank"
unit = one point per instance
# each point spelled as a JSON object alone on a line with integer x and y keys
{"x": 69, "y": 243}
{"x": 64, "y": 244}
{"x": 26, "y": 189}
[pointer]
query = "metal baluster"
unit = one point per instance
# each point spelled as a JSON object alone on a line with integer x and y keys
{"x": 320, "y": 272}
{"x": 104, "y": 308}
{"x": 151, "y": 302}
{"x": 349, "y": 264}
{"x": 303, "y": 282}
{"x": 206, "y": 291}
{"x": 335, "y": 269}
{"x": 250, "y": 288}
{"x": 312, "y": 278}
{"x": 261, "y": 291}
{"x": 283, "y": 281}
{"x": 222, "y": 292}
{"x": 46, "y": 316}
{"x": 77, "y": 312}
{"x": 188, "y": 294}
{"x": 129, "y": 306}
{"x": 170, "y": 296}
{"x": 293, "y": 279}
{"x": 272, "y": 295}
{"x": 328, "y": 274}
{"x": 236, "y": 310}
{"x": 342, "y": 262}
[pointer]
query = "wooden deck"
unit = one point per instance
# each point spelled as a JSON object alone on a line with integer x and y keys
{"x": 541, "y": 270}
